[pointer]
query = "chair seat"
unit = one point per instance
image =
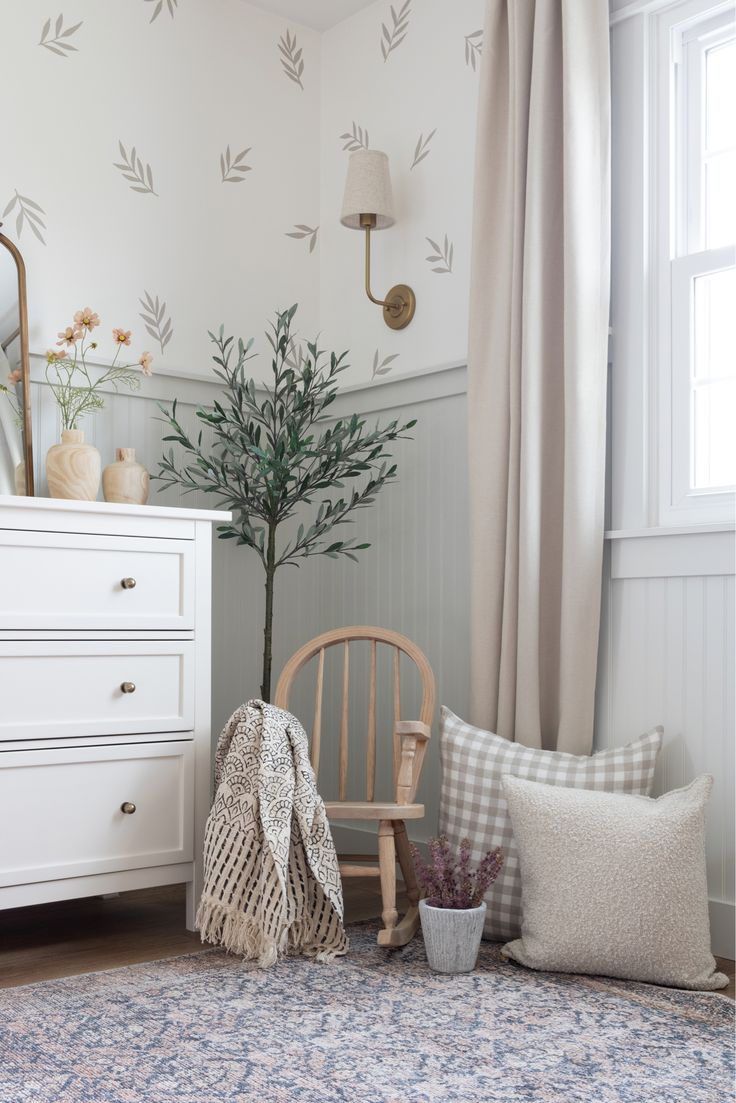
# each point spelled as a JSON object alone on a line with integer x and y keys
{"x": 372, "y": 810}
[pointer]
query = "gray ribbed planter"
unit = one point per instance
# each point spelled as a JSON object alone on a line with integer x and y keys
{"x": 452, "y": 937}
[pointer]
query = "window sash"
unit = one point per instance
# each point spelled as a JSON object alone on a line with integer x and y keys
{"x": 683, "y": 34}
{"x": 684, "y": 271}
{"x": 689, "y": 48}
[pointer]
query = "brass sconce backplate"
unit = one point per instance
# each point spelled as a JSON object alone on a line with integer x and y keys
{"x": 399, "y": 306}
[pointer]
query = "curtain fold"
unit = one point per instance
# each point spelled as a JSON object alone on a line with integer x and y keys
{"x": 537, "y": 369}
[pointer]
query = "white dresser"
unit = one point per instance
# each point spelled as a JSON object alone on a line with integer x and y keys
{"x": 105, "y": 742}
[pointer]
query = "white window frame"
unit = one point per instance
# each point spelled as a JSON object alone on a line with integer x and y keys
{"x": 682, "y": 35}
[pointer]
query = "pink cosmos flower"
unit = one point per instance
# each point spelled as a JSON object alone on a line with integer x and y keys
{"x": 69, "y": 336}
{"x": 121, "y": 336}
{"x": 145, "y": 362}
{"x": 15, "y": 376}
{"x": 52, "y": 355}
{"x": 87, "y": 318}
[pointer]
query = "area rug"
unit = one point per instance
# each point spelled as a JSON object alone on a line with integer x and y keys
{"x": 374, "y": 1027}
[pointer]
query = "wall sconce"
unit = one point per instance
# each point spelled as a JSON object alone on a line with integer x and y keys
{"x": 369, "y": 205}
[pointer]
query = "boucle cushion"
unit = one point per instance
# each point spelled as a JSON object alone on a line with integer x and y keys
{"x": 614, "y": 884}
{"x": 473, "y": 805}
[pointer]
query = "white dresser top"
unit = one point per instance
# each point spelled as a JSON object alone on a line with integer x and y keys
{"x": 110, "y": 509}
{"x": 104, "y": 518}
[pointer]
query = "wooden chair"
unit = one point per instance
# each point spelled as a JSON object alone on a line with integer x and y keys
{"x": 410, "y": 739}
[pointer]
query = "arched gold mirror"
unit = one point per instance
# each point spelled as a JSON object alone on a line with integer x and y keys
{"x": 16, "y": 450}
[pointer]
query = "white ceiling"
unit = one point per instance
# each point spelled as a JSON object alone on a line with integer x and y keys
{"x": 319, "y": 14}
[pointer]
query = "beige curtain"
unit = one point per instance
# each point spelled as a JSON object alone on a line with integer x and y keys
{"x": 537, "y": 369}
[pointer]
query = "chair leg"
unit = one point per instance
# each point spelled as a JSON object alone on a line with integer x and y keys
{"x": 387, "y": 866}
{"x": 393, "y": 843}
{"x": 406, "y": 862}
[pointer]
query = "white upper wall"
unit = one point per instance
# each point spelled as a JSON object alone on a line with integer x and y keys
{"x": 319, "y": 14}
{"x": 179, "y": 83}
{"x": 180, "y": 89}
{"x": 425, "y": 84}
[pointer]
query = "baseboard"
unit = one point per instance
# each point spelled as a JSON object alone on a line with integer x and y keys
{"x": 364, "y": 840}
{"x": 722, "y": 928}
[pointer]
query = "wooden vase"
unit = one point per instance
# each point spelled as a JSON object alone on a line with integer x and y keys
{"x": 73, "y": 468}
{"x": 126, "y": 480}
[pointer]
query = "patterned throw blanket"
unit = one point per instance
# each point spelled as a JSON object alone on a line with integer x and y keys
{"x": 271, "y": 882}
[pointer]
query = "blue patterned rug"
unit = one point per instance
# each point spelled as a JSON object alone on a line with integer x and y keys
{"x": 375, "y": 1027}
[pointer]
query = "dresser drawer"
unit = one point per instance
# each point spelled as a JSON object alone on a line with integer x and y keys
{"x": 61, "y": 810}
{"x": 59, "y": 689}
{"x": 59, "y": 581}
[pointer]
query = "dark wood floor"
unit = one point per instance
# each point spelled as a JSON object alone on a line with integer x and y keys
{"x": 82, "y": 936}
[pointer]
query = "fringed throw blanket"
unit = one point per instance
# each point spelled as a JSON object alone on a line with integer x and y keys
{"x": 271, "y": 879}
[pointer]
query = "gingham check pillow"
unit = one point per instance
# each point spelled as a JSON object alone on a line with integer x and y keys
{"x": 473, "y": 806}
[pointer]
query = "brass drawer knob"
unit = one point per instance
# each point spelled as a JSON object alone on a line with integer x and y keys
{"x": 127, "y": 687}
{"x": 127, "y": 583}
{"x": 127, "y": 808}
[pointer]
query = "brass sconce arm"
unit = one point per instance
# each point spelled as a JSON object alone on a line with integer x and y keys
{"x": 400, "y": 302}
{"x": 371, "y": 296}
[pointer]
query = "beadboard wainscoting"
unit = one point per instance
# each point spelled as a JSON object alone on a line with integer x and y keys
{"x": 667, "y": 646}
{"x": 667, "y": 657}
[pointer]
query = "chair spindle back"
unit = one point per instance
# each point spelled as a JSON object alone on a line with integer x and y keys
{"x": 317, "y": 647}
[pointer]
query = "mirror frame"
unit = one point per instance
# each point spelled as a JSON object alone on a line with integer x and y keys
{"x": 24, "y": 361}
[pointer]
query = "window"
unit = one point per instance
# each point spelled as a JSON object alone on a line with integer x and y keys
{"x": 698, "y": 264}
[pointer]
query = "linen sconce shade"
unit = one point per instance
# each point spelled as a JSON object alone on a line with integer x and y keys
{"x": 368, "y": 190}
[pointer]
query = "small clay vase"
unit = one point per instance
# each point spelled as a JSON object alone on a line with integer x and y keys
{"x": 20, "y": 478}
{"x": 73, "y": 468}
{"x": 126, "y": 480}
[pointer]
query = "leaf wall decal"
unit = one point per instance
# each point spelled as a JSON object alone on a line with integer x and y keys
{"x": 392, "y": 38}
{"x": 158, "y": 8}
{"x": 382, "y": 367}
{"x": 57, "y": 44}
{"x": 28, "y": 213}
{"x": 422, "y": 150}
{"x": 292, "y": 61}
{"x": 443, "y": 256}
{"x": 155, "y": 319}
{"x": 473, "y": 48}
{"x": 296, "y": 355}
{"x": 233, "y": 169}
{"x": 355, "y": 138}
{"x": 302, "y": 231}
{"x": 139, "y": 176}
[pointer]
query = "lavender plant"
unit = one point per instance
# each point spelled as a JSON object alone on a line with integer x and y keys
{"x": 447, "y": 881}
